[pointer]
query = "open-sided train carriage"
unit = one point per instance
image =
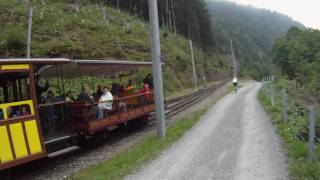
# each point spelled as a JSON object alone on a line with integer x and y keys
{"x": 24, "y": 131}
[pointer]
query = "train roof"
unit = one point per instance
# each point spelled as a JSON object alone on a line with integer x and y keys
{"x": 107, "y": 67}
{"x": 43, "y": 61}
{"x": 77, "y": 67}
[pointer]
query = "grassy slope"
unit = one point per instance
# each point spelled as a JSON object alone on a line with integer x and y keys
{"x": 295, "y": 133}
{"x": 63, "y": 32}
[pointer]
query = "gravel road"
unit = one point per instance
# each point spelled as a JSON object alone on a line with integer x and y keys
{"x": 235, "y": 140}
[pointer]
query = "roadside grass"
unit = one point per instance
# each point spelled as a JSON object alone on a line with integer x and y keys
{"x": 148, "y": 149}
{"x": 294, "y": 136}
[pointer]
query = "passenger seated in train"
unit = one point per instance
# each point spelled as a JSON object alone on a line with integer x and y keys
{"x": 25, "y": 111}
{"x": 98, "y": 93}
{"x": 105, "y": 103}
{"x": 51, "y": 98}
{"x": 1, "y": 115}
{"x": 13, "y": 112}
{"x": 39, "y": 89}
{"x": 50, "y": 113}
{"x": 148, "y": 80}
{"x": 84, "y": 95}
{"x": 69, "y": 97}
{"x": 116, "y": 90}
{"x": 146, "y": 93}
{"x": 130, "y": 88}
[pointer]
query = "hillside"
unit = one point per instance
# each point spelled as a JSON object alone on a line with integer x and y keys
{"x": 64, "y": 30}
{"x": 252, "y": 30}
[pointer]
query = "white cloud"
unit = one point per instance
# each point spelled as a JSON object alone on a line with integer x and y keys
{"x": 304, "y": 11}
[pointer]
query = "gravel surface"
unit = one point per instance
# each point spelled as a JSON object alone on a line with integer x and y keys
{"x": 235, "y": 140}
{"x": 64, "y": 166}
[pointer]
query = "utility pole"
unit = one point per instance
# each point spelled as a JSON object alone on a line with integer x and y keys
{"x": 118, "y": 6}
{"x": 174, "y": 19}
{"x": 157, "y": 68}
{"x": 29, "y": 32}
{"x": 193, "y": 66}
{"x": 235, "y": 65}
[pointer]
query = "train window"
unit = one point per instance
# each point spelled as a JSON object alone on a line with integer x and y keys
{"x": 14, "y": 87}
{"x": 18, "y": 111}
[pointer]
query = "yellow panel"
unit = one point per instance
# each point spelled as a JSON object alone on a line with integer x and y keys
{"x": 18, "y": 140}
{"x": 33, "y": 137}
{"x": 5, "y": 149}
{"x": 15, "y": 66}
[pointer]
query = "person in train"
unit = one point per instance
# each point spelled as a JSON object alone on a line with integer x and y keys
{"x": 39, "y": 89}
{"x": 69, "y": 97}
{"x": 130, "y": 87}
{"x": 1, "y": 115}
{"x": 51, "y": 98}
{"x": 98, "y": 93}
{"x": 105, "y": 103}
{"x": 13, "y": 112}
{"x": 116, "y": 89}
{"x": 148, "y": 80}
{"x": 146, "y": 93}
{"x": 25, "y": 111}
{"x": 50, "y": 113}
{"x": 84, "y": 95}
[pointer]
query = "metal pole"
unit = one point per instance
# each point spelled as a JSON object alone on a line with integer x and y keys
{"x": 29, "y": 32}
{"x": 235, "y": 70}
{"x": 157, "y": 69}
{"x": 312, "y": 133}
{"x": 284, "y": 105}
{"x": 193, "y": 66}
{"x": 104, "y": 13}
{"x": 272, "y": 95}
{"x": 118, "y": 6}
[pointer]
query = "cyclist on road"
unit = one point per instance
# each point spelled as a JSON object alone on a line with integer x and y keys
{"x": 235, "y": 83}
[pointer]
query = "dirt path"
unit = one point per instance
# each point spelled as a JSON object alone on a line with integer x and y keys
{"x": 235, "y": 140}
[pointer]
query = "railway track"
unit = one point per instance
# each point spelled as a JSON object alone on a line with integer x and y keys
{"x": 86, "y": 156}
{"x": 181, "y": 103}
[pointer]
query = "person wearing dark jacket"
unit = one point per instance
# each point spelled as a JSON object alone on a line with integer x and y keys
{"x": 148, "y": 80}
{"x": 84, "y": 95}
{"x": 40, "y": 89}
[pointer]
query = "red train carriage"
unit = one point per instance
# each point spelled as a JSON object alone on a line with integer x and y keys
{"x": 32, "y": 128}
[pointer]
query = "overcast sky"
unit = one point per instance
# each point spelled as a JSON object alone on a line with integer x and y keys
{"x": 305, "y": 11}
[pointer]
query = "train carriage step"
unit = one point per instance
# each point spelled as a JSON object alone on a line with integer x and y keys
{"x": 58, "y": 139}
{"x": 63, "y": 151}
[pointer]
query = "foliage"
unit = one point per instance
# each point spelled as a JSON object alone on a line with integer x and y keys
{"x": 189, "y": 18}
{"x": 295, "y": 132}
{"x": 77, "y": 29}
{"x": 253, "y": 32}
{"x": 298, "y": 57}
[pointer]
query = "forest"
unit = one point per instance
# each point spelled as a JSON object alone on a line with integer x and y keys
{"x": 297, "y": 55}
{"x": 190, "y": 18}
{"x": 253, "y": 32}
{"x": 75, "y": 29}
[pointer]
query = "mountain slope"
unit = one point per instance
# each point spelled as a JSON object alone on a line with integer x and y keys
{"x": 63, "y": 29}
{"x": 252, "y": 30}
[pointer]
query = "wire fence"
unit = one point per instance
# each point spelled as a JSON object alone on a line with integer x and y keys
{"x": 298, "y": 111}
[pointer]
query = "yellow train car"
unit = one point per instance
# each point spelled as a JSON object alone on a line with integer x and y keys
{"x": 24, "y": 135}
{"x": 20, "y": 136}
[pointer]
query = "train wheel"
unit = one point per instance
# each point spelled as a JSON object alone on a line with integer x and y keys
{"x": 6, "y": 174}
